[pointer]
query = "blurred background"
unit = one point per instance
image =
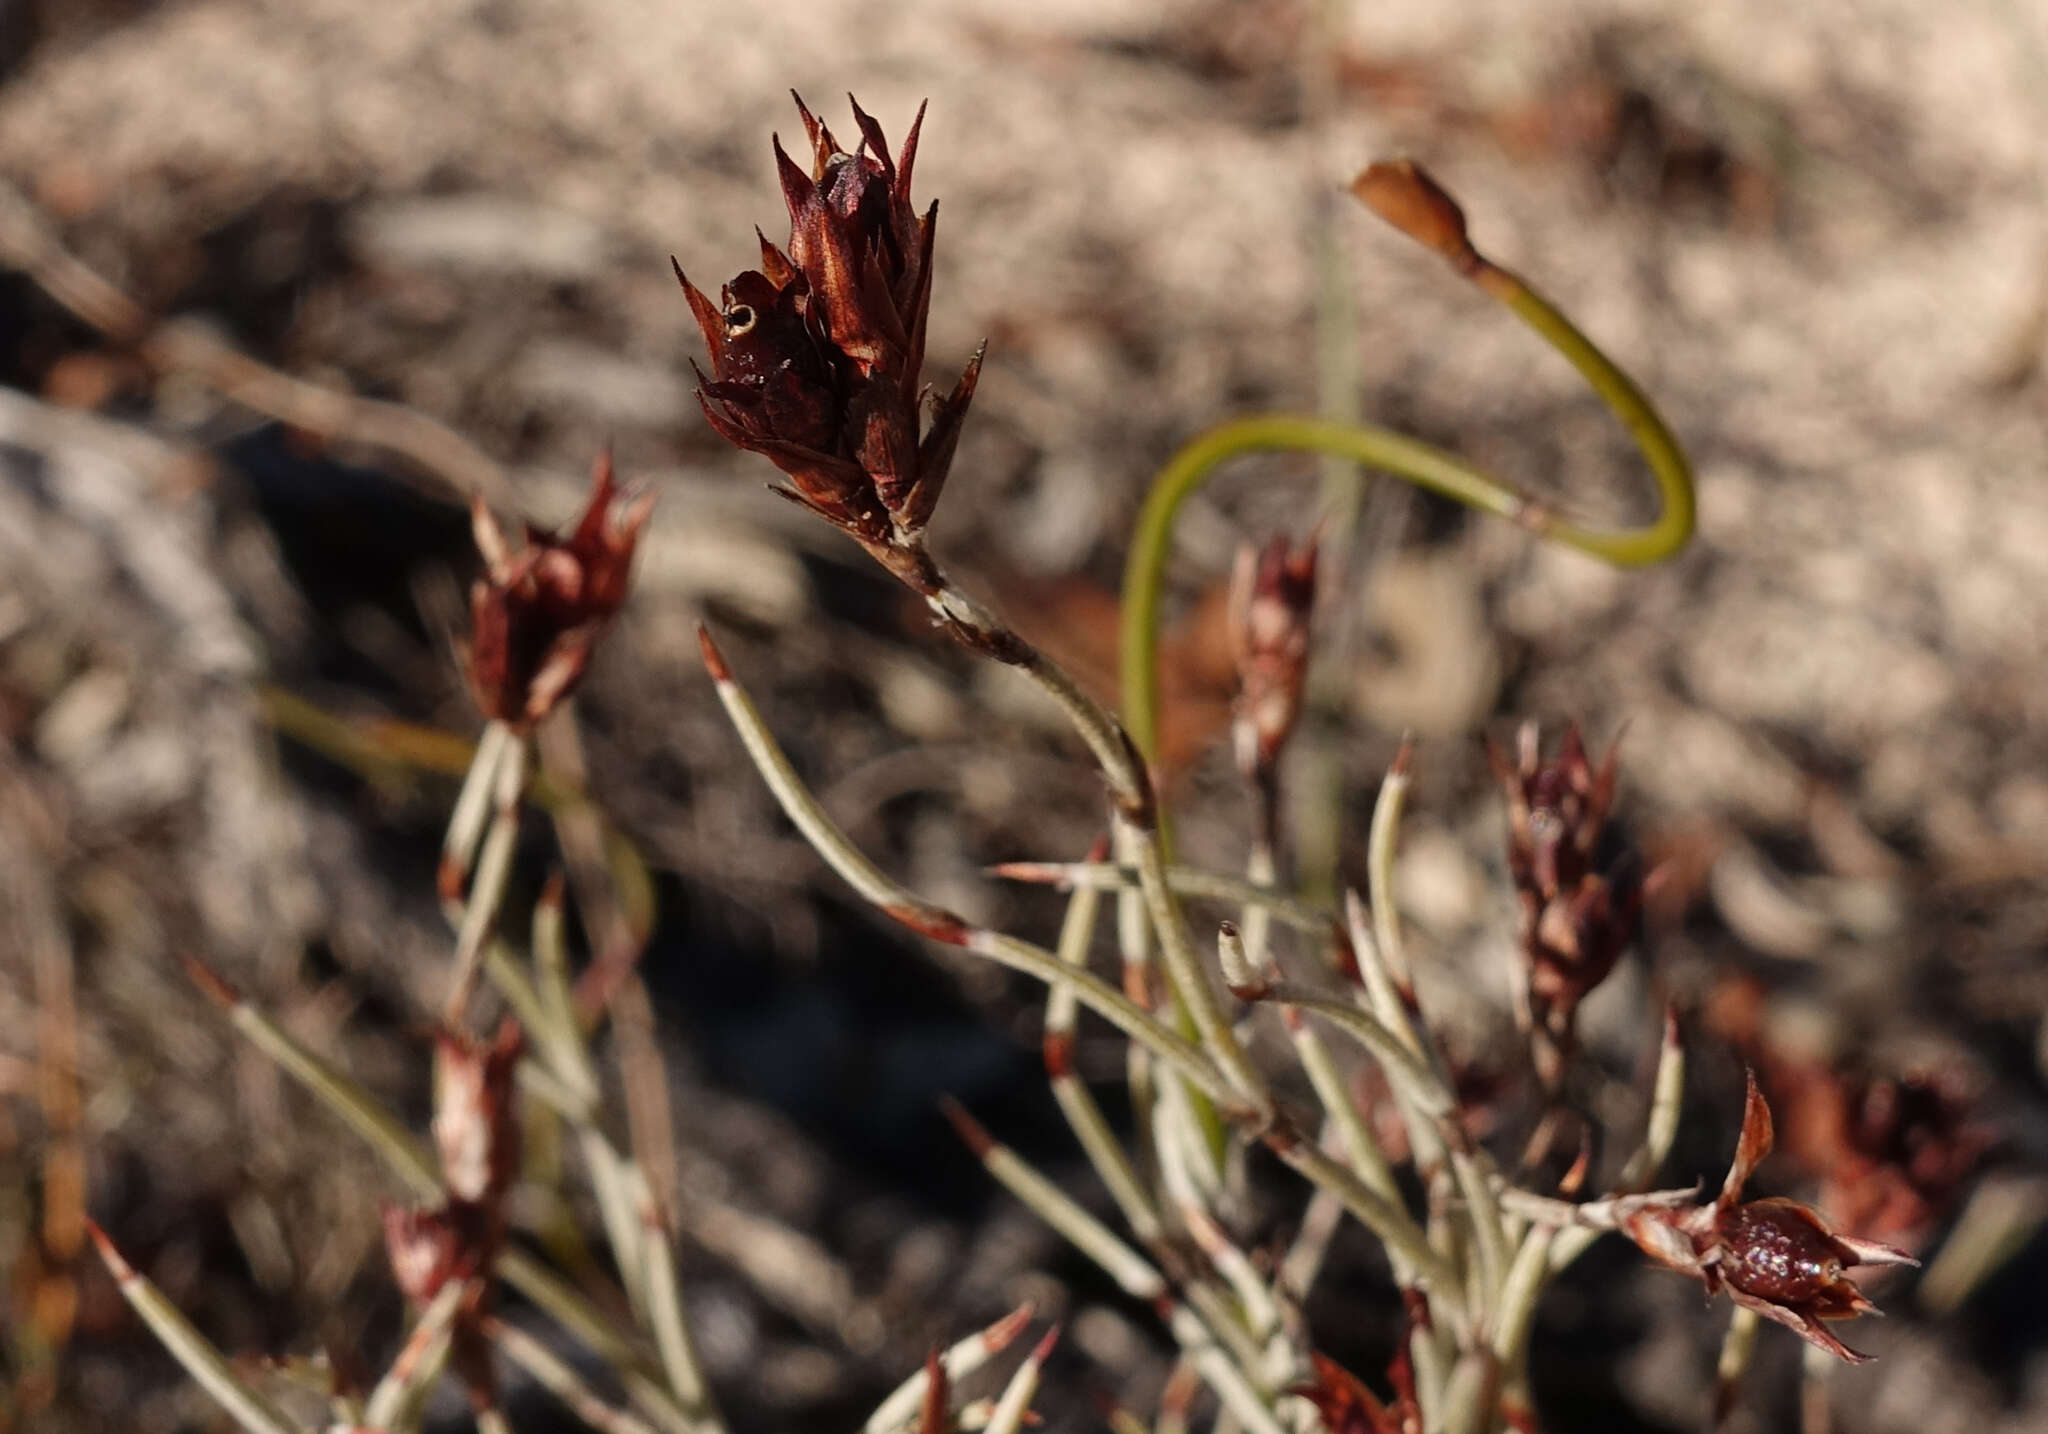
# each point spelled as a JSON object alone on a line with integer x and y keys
{"x": 1815, "y": 234}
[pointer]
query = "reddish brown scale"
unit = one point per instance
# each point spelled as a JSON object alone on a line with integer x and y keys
{"x": 971, "y": 1131}
{"x": 1137, "y": 985}
{"x": 211, "y": 982}
{"x": 930, "y": 921}
{"x": 1344, "y": 956}
{"x": 1281, "y": 1138}
{"x": 1059, "y": 1054}
{"x": 934, "y": 1418}
{"x": 714, "y": 660}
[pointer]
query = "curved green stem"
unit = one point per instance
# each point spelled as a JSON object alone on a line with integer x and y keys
{"x": 1413, "y": 461}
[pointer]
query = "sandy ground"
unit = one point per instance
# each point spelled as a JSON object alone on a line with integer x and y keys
{"x": 1817, "y": 237}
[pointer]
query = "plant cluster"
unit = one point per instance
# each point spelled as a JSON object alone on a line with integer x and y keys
{"x": 816, "y": 364}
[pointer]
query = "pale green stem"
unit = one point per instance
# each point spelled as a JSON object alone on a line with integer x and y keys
{"x": 1666, "y": 1100}
{"x": 556, "y": 1375}
{"x": 1468, "y": 1164}
{"x": 1360, "y": 1144}
{"x": 1384, "y": 1218}
{"x": 1133, "y": 1273}
{"x": 1519, "y": 1292}
{"x": 672, "y": 1339}
{"x": 487, "y": 890}
{"x": 1015, "y": 1403}
{"x": 473, "y": 805}
{"x": 1083, "y": 1115}
{"x": 1240, "y": 1399}
{"x": 413, "y": 1371}
{"x": 1737, "y": 1345}
{"x": 958, "y": 1362}
{"x": 611, "y": 1181}
{"x": 896, "y": 901}
{"x": 209, "y": 1369}
{"x": 1407, "y": 1073}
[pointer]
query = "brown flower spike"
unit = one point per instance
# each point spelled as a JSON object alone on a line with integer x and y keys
{"x": 537, "y": 612}
{"x": 816, "y": 356}
{"x": 476, "y": 1131}
{"x": 1272, "y": 592}
{"x": 1776, "y": 1257}
{"x": 1576, "y": 921}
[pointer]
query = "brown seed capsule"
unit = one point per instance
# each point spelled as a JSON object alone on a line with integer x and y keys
{"x": 1775, "y": 1257}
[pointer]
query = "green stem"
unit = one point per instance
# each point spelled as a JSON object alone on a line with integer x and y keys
{"x": 1414, "y": 462}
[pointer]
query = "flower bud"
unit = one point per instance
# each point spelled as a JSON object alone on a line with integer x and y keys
{"x": 1401, "y": 192}
{"x": 538, "y": 612}
{"x": 1272, "y": 593}
{"x": 1576, "y": 922}
{"x": 816, "y": 357}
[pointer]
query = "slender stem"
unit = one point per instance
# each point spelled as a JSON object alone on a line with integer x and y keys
{"x": 672, "y": 1339}
{"x": 1383, "y": 1217}
{"x": 247, "y": 1405}
{"x": 416, "y": 1365}
{"x": 487, "y": 892}
{"x": 957, "y": 1363}
{"x": 1084, "y": 1116}
{"x": 1737, "y": 1345}
{"x": 897, "y": 902}
{"x": 559, "y": 1378}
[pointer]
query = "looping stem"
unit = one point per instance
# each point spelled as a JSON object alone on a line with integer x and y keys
{"x": 1412, "y": 461}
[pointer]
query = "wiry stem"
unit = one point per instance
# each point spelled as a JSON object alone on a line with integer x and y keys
{"x": 207, "y": 1366}
{"x": 1083, "y": 1115}
{"x": 1414, "y": 462}
{"x": 956, "y": 1363}
{"x": 895, "y": 901}
{"x": 1137, "y": 819}
{"x": 560, "y": 1379}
